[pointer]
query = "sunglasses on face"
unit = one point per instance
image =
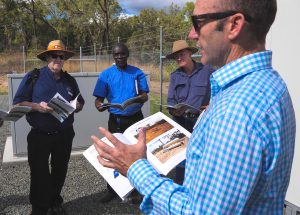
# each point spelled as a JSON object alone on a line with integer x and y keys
{"x": 200, "y": 20}
{"x": 55, "y": 56}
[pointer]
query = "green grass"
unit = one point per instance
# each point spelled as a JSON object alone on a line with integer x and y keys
{"x": 154, "y": 104}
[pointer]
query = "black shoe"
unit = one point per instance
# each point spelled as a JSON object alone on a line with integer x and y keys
{"x": 57, "y": 210}
{"x": 107, "y": 196}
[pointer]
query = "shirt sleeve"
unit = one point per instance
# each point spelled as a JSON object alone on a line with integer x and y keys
{"x": 142, "y": 82}
{"x": 77, "y": 91}
{"x": 24, "y": 92}
{"x": 171, "y": 100}
{"x": 101, "y": 88}
{"x": 162, "y": 195}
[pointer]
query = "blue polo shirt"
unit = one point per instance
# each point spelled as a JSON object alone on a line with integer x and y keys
{"x": 191, "y": 89}
{"x": 44, "y": 89}
{"x": 119, "y": 85}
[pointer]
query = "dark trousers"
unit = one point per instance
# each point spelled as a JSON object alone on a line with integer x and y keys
{"x": 46, "y": 183}
{"x": 188, "y": 123}
{"x": 118, "y": 124}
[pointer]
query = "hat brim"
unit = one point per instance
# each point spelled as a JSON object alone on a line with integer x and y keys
{"x": 171, "y": 55}
{"x": 43, "y": 55}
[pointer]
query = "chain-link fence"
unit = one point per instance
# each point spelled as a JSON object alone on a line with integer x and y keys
{"x": 147, "y": 51}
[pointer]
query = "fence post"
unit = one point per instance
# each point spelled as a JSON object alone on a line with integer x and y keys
{"x": 80, "y": 59}
{"x": 161, "y": 66}
{"x": 24, "y": 60}
{"x": 95, "y": 53}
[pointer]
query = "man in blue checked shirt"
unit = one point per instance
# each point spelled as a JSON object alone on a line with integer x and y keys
{"x": 240, "y": 154}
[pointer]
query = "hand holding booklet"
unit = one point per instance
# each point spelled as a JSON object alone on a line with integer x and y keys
{"x": 15, "y": 113}
{"x": 166, "y": 148}
{"x": 61, "y": 107}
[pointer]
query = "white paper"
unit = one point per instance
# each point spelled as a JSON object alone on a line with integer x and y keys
{"x": 62, "y": 109}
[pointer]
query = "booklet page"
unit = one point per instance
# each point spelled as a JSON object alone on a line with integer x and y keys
{"x": 166, "y": 141}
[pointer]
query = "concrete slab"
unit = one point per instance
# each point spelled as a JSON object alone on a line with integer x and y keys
{"x": 9, "y": 157}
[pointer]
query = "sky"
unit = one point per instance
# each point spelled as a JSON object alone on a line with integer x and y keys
{"x": 134, "y": 6}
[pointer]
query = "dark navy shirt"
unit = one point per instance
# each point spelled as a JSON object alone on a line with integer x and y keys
{"x": 191, "y": 89}
{"x": 119, "y": 85}
{"x": 44, "y": 88}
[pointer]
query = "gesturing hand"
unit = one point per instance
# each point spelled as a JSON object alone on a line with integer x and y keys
{"x": 121, "y": 156}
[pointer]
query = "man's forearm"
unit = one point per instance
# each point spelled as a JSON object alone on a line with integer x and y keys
{"x": 34, "y": 106}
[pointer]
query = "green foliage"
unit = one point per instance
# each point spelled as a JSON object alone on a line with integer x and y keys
{"x": 84, "y": 23}
{"x": 154, "y": 104}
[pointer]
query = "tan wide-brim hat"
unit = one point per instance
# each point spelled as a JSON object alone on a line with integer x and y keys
{"x": 55, "y": 45}
{"x": 178, "y": 46}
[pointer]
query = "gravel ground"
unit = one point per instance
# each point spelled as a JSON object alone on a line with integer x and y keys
{"x": 81, "y": 191}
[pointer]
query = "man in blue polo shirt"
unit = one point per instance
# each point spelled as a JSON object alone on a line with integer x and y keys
{"x": 189, "y": 84}
{"x": 48, "y": 136}
{"x": 117, "y": 84}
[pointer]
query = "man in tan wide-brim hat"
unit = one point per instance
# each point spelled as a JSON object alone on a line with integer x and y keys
{"x": 55, "y": 46}
{"x": 49, "y": 136}
{"x": 180, "y": 45}
{"x": 189, "y": 84}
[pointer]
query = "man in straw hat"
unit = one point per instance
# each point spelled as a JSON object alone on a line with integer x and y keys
{"x": 240, "y": 154}
{"x": 48, "y": 136}
{"x": 189, "y": 84}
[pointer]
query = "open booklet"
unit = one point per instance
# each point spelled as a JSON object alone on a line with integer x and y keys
{"x": 15, "y": 113}
{"x": 61, "y": 107}
{"x": 184, "y": 106}
{"x": 166, "y": 148}
{"x": 125, "y": 104}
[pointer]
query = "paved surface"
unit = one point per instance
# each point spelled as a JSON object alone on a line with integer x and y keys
{"x": 81, "y": 192}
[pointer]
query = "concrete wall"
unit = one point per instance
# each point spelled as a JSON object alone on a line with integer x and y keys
{"x": 284, "y": 41}
{"x": 86, "y": 122}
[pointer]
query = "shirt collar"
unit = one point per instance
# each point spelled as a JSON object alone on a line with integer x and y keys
{"x": 238, "y": 68}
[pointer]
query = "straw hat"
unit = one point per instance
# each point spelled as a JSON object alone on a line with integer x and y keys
{"x": 55, "y": 45}
{"x": 178, "y": 46}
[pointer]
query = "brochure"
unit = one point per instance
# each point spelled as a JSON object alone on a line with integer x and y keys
{"x": 166, "y": 147}
{"x": 125, "y": 104}
{"x": 61, "y": 107}
{"x": 15, "y": 113}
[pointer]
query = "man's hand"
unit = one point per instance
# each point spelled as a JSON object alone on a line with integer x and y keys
{"x": 78, "y": 107}
{"x": 121, "y": 156}
{"x": 44, "y": 108}
{"x": 98, "y": 104}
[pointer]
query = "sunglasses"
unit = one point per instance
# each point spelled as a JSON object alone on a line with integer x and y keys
{"x": 55, "y": 56}
{"x": 200, "y": 20}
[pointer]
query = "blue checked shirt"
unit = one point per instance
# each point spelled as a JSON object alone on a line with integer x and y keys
{"x": 240, "y": 154}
